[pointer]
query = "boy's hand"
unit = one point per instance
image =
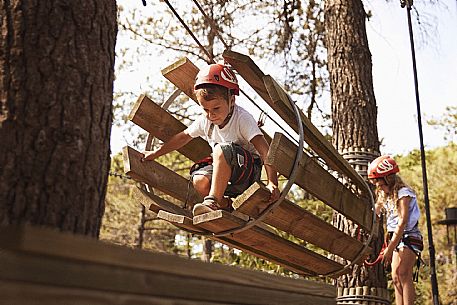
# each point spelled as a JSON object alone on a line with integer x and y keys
{"x": 148, "y": 155}
{"x": 273, "y": 188}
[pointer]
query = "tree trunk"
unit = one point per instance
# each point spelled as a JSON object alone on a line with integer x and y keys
{"x": 354, "y": 114}
{"x": 56, "y": 78}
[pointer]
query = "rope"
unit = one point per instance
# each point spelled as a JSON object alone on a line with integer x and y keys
{"x": 431, "y": 248}
{"x": 114, "y": 174}
{"x": 379, "y": 258}
{"x": 212, "y": 24}
{"x": 202, "y": 48}
{"x": 211, "y": 59}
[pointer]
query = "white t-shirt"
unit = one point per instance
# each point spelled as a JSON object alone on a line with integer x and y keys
{"x": 413, "y": 212}
{"x": 240, "y": 130}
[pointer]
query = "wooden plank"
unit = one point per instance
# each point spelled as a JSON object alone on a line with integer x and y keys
{"x": 162, "y": 125}
{"x": 255, "y": 237}
{"x": 321, "y": 184}
{"x": 155, "y": 203}
{"x": 165, "y": 210}
{"x": 182, "y": 74}
{"x": 277, "y": 99}
{"x": 54, "y": 260}
{"x": 158, "y": 176}
{"x": 180, "y": 221}
{"x": 297, "y": 221}
{"x": 23, "y": 293}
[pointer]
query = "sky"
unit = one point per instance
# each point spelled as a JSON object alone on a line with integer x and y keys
{"x": 436, "y": 59}
{"x": 389, "y": 44}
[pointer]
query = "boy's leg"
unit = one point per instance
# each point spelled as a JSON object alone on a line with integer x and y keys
{"x": 202, "y": 184}
{"x": 221, "y": 175}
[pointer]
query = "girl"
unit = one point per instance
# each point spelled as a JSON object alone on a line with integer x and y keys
{"x": 398, "y": 201}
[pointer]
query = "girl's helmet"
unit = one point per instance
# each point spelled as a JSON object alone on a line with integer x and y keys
{"x": 217, "y": 74}
{"x": 382, "y": 166}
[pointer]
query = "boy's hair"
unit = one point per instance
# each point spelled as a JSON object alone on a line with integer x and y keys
{"x": 211, "y": 91}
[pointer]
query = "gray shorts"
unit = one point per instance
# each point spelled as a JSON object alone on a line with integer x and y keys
{"x": 246, "y": 168}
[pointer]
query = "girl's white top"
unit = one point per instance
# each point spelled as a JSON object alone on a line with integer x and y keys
{"x": 413, "y": 215}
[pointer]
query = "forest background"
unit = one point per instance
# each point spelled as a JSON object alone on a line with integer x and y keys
{"x": 287, "y": 42}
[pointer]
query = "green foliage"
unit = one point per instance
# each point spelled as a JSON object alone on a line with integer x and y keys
{"x": 448, "y": 122}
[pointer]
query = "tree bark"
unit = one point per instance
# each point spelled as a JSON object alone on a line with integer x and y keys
{"x": 354, "y": 111}
{"x": 56, "y": 78}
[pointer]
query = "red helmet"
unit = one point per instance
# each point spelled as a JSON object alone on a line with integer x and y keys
{"x": 382, "y": 166}
{"x": 219, "y": 75}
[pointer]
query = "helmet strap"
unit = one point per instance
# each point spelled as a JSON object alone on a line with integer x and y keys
{"x": 229, "y": 115}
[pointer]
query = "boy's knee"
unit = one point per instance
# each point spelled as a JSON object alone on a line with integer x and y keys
{"x": 201, "y": 184}
{"x": 223, "y": 152}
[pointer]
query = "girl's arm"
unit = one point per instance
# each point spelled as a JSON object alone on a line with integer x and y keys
{"x": 262, "y": 147}
{"x": 176, "y": 142}
{"x": 403, "y": 214}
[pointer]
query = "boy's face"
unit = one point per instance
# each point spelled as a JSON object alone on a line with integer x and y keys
{"x": 216, "y": 110}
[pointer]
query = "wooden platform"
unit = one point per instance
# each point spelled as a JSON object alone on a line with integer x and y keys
{"x": 44, "y": 267}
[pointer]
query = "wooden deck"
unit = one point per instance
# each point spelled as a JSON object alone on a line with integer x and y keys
{"x": 44, "y": 267}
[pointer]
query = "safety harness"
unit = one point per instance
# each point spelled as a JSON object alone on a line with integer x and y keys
{"x": 414, "y": 243}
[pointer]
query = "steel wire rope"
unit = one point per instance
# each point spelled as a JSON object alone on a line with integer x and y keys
{"x": 431, "y": 247}
{"x": 211, "y": 59}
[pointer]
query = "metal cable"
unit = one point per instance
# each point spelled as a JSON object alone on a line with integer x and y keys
{"x": 211, "y": 59}
{"x": 431, "y": 248}
{"x": 202, "y": 48}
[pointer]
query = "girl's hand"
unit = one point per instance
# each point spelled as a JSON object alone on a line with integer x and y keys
{"x": 273, "y": 188}
{"x": 387, "y": 256}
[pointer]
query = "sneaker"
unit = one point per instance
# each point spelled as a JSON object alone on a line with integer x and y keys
{"x": 208, "y": 205}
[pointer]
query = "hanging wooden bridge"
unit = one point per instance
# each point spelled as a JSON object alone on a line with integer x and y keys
{"x": 349, "y": 196}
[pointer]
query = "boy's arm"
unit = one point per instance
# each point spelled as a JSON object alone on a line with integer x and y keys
{"x": 176, "y": 142}
{"x": 262, "y": 147}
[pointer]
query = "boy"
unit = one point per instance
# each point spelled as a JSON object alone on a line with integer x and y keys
{"x": 238, "y": 144}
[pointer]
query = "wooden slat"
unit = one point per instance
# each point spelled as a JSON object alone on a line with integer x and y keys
{"x": 158, "y": 176}
{"x": 316, "y": 180}
{"x": 255, "y": 237}
{"x": 297, "y": 221}
{"x": 182, "y": 219}
{"x": 275, "y": 96}
{"x": 166, "y": 210}
{"x": 182, "y": 74}
{"x": 155, "y": 203}
{"x": 162, "y": 125}
{"x": 37, "y": 264}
